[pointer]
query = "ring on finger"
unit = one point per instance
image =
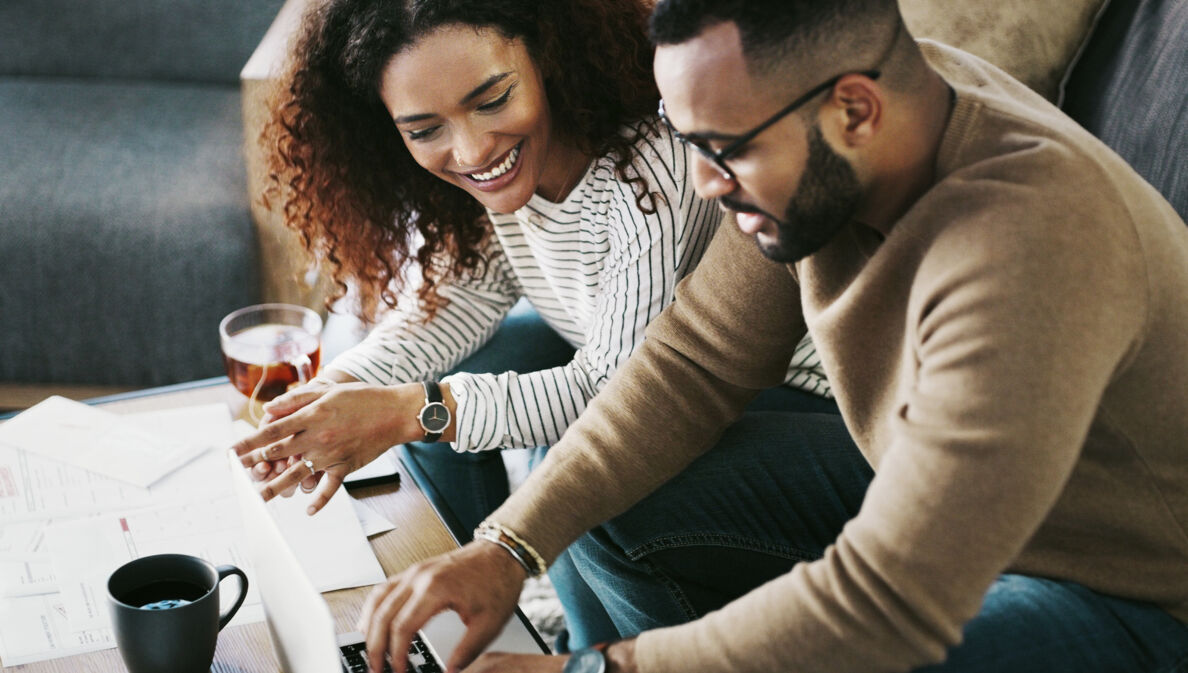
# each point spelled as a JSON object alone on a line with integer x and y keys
{"x": 309, "y": 463}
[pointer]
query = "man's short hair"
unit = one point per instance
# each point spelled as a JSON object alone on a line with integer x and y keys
{"x": 772, "y": 31}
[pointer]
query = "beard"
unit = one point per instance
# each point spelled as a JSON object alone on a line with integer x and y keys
{"x": 826, "y": 199}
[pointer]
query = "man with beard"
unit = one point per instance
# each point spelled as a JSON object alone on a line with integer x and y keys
{"x": 1001, "y": 305}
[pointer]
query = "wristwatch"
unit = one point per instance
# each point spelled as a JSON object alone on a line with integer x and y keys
{"x": 434, "y": 417}
{"x": 587, "y": 660}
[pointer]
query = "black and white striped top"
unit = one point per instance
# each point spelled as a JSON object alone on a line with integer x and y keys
{"x": 595, "y": 267}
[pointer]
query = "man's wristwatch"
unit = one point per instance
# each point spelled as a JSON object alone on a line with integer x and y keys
{"x": 587, "y": 660}
{"x": 434, "y": 417}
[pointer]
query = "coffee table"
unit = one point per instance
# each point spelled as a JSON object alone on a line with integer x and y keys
{"x": 246, "y": 649}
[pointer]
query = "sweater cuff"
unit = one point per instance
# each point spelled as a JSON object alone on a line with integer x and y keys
{"x": 472, "y": 415}
{"x": 654, "y": 649}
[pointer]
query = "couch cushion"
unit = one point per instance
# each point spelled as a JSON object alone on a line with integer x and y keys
{"x": 125, "y": 228}
{"x": 1130, "y": 88}
{"x": 1033, "y": 41}
{"x": 192, "y": 40}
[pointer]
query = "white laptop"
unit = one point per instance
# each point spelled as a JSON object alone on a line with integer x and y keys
{"x": 299, "y": 621}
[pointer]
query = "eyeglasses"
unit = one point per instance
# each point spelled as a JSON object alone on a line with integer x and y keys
{"x": 720, "y": 157}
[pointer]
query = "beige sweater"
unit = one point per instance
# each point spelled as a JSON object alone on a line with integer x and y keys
{"x": 1011, "y": 356}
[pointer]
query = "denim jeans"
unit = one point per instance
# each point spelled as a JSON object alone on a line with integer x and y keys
{"x": 775, "y": 491}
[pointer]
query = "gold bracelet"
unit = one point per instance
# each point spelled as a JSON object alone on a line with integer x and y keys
{"x": 524, "y": 552}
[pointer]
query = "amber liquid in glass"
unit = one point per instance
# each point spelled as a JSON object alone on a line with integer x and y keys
{"x": 263, "y": 361}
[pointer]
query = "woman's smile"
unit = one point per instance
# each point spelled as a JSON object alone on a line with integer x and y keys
{"x": 505, "y": 169}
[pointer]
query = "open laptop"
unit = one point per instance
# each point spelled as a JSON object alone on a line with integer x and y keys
{"x": 299, "y": 621}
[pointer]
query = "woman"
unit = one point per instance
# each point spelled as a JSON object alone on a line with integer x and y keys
{"x": 445, "y": 158}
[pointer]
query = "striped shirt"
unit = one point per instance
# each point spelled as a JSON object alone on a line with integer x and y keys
{"x": 595, "y": 267}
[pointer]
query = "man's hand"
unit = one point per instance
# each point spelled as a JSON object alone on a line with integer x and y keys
{"x": 481, "y": 582}
{"x": 337, "y": 428}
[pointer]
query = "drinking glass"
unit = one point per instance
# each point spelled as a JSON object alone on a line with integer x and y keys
{"x": 269, "y": 347}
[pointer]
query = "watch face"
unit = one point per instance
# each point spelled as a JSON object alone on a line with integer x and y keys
{"x": 435, "y": 417}
{"x": 588, "y": 660}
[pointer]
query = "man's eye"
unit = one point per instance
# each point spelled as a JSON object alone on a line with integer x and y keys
{"x": 498, "y": 102}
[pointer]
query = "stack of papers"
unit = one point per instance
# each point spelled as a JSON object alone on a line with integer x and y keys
{"x": 83, "y": 491}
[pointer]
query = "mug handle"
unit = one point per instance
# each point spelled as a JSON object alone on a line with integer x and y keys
{"x": 226, "y": 571}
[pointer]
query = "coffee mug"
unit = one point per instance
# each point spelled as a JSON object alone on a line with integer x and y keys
{"x": 165, "y": 612}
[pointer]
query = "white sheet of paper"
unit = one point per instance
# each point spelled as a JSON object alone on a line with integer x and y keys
{"x": 35, "y": 628}
{"x": 372, "y": 521}
{"x": 331, "y": 545}
{"x": 98, "y": 441}
{"x": 35, "y": 487}
{"x": 189, "y": 511}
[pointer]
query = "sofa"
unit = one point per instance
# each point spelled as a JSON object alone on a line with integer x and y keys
{"x": 125, "y": 227}
{"x": 128, "y": 223}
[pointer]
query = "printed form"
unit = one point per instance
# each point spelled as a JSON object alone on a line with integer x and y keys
{"x": 66, "y": 528}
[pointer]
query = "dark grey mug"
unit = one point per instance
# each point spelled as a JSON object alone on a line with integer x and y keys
{"x": 165, "y": 612}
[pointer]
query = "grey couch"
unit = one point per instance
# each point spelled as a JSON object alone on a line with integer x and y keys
{"x": 1130, "y": 88}
{"x": 125, "y": 231}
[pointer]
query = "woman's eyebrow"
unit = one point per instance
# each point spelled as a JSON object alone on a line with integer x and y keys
{"x": 482, "y": 88}
{"x": 474, "y": 93}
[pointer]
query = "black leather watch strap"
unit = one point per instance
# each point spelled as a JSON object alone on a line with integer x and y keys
{"x": 432, "y": 391}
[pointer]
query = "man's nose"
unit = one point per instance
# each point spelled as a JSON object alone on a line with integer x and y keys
{"x": 709, "y": 180}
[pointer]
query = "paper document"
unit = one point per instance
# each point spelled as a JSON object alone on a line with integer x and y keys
{"x": 98, "y": 441}
{"x": 331, "y": 545}
{"x": 66, "y": 528}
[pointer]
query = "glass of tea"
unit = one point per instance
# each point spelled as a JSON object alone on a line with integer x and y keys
{"x": 269, "y": 347}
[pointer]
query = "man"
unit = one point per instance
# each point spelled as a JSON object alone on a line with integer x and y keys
{"x": 1001, "y": 305}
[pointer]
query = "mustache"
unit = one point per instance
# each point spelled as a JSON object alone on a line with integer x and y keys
{"x": 735, "y": 206}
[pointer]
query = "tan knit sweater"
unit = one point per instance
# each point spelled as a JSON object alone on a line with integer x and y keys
{"x": 1011, "y": 356}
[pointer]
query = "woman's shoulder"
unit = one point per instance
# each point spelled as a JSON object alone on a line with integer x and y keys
{"x": 654, "y": 155}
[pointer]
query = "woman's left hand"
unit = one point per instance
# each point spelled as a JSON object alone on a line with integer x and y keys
{"x": 338, "y": 429}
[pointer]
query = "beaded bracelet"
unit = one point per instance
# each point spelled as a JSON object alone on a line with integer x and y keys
{"x": 523, "y": 552}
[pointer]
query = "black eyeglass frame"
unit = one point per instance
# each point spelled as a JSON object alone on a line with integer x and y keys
{"x": 719, "y": 158}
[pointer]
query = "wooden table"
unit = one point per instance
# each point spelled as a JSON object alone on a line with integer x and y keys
{"x": 246, "y": 649}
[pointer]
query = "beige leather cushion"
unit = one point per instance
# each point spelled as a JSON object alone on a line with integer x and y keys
{"x": 1033, "y": 40}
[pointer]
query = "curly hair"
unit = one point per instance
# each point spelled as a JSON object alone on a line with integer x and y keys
{"x": 342, "y": 176}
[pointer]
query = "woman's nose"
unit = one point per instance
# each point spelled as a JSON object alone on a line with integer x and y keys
{"x": 473, "y": 147}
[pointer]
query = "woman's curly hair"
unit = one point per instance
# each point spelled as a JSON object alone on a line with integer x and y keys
{"x": 341, "y": 175}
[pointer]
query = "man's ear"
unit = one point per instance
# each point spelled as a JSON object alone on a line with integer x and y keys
{"x": 856, "y": 106}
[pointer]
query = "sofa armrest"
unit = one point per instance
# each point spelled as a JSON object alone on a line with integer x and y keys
{"x": 287, "y": 272}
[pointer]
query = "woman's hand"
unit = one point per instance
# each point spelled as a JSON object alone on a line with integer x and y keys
{"x": 481, "y": 582}
{"x": 337, "y": 428}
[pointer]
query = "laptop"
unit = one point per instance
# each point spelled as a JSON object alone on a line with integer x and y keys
{"x": 299, "y": 621}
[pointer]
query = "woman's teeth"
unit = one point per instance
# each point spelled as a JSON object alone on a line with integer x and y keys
{"x": 502, "y": 168}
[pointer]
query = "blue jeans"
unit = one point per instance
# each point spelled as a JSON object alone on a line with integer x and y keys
{"x": 775, "y": 491}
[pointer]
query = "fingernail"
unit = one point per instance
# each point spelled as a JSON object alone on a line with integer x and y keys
{"x": 310, "y": 510}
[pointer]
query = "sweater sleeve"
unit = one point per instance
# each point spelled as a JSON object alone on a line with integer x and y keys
{"x": 648, "y": 253}
{"x": 403, "y": 347}
{"x": 668, "y": 404}
{"x": 1014, "y": 348}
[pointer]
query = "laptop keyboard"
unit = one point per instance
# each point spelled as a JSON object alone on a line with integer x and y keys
{"x": 420, "y": 659}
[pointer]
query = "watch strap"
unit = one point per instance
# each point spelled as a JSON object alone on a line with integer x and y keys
{"x": 432, "y": 391}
